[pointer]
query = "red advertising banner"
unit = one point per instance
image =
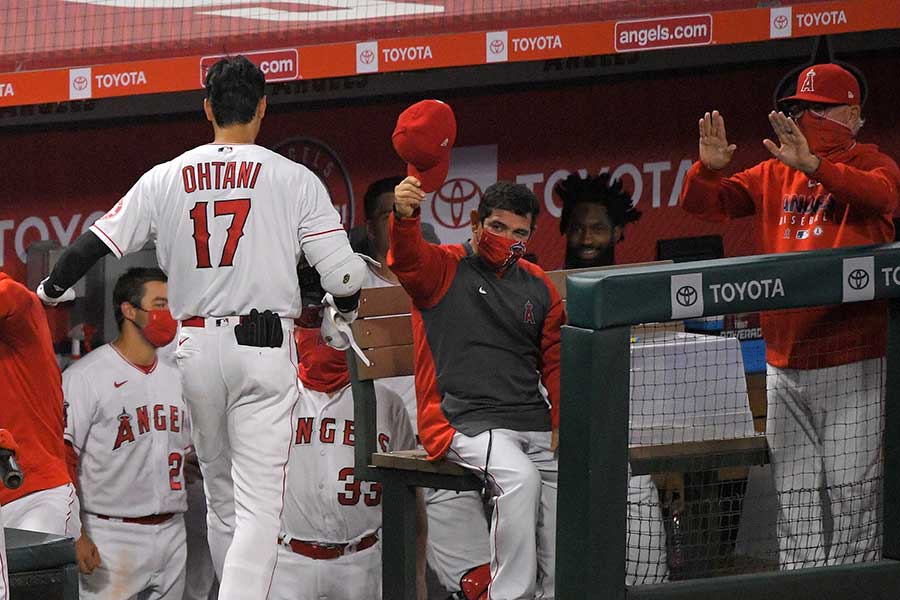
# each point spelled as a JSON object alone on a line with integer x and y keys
{"x": 643, "y": 131}
{"x": 158, "y": 51}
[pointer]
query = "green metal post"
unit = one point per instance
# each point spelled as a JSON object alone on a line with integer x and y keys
{"x": 891, "y": 453}
{"x": 593, "y": 464}
{"x": 365, "y": 424}
{"x": 398, "y": 546}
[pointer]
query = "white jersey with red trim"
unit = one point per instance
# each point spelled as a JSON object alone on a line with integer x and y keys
{"x": 229, "y": 223}
{"x": 130, "y": 430}
{"x": 323, "y": 501}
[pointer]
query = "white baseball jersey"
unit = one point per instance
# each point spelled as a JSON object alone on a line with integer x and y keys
{"x": 213, "y": 209}
{"x": 323, "y": 501}
{"x": 405, "y": 385}
{"x": 130, "y": 430}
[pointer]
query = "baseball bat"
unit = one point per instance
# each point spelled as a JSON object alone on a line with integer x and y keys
{"x": 10, "y": 472}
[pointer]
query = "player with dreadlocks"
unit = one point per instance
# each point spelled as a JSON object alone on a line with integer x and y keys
{"x": 594, "y": 214}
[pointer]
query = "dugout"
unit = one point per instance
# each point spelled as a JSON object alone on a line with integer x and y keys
{"x": 568, "y": 97}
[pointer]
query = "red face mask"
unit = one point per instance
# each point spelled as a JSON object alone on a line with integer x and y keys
{"x": 160, "y": 328}
{"x": 498, "y": 252}
{"x": 322, "y": 368}
{"x": 825, "y": 136}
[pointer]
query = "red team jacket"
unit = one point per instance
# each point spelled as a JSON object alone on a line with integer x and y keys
{"x": 482, "y": 342}
{"x": 31, "y": 400}
{"x": 849, "y": 201}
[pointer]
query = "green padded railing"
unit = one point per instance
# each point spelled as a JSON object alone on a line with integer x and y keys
{"x": 590, "y": 549}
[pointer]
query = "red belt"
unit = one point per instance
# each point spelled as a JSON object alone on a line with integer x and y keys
{"x": 148, "y": 520}
{"x": 328, "y": 551}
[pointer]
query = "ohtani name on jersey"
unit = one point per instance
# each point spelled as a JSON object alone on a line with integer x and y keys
{"x": 165, "y": 418}
{"x": 220, "y": 175}
{"x": 330, "y": 431}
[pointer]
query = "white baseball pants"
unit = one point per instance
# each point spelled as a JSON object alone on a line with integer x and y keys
{"x": 355, "y": 576}
{"x": 49, "y": 511}
{"x": 138, "y": 562}
{"x": 458, "y": 538}
{"x": 241, "y": 400}
{"x": 4, "y": 569}
{"x": 523, "y": 475}
{"x": 824, "y": 428}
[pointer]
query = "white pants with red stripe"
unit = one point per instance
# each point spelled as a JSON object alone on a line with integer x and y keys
{"x": 523, "y": 474}
{"x": 824, "y": 428}
{"x": 458, "y": 538}
{"x": 354, "y": 576}
{"x": 138, "y": 562}
{"x": 49, "y": 511}
{"x": 4, "y": 573}
{"x": 241, "y": 399}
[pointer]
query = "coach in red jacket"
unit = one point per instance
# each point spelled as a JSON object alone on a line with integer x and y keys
{"x": 825, "y": 380}
{"x": 486, "y": 328}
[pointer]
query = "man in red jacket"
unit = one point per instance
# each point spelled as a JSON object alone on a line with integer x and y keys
{"x": 825, "y": 378}
{"x": 486, "y": 333}
{"x": 31, "y": 408}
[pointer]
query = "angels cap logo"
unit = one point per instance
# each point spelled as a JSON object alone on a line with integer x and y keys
{"x": 809, "y": 84}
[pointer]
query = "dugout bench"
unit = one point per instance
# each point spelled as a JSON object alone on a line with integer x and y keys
{"x": 383, "y": 329}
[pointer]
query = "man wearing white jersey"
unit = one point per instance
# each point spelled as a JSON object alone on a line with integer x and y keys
{"x": 457, "y": 528}
{"x": 329, "y": 546}
{"x": 127, "y": 425}
{"x": 230, "y": 220}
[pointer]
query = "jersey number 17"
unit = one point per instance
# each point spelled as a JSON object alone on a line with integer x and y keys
{"x": 239, "y": 209}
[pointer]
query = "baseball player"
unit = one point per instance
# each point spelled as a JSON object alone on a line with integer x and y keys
{"x": 486, "y": 330}
{"x": 457, "y": 529}
{"x": 821, "y": 189}
{"x": 329, "y": 545}
{"x": 230, "y": 220}
{"x": 595, "y": 211}
{"x": 7, "y": 443}
{"x": 31, "y": 408}
{"x": 127, "y": 424}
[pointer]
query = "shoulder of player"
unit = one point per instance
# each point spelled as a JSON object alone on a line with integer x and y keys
{"x": 535, "y": 272}
{"x": 88, "y": 365}
{"x": 387, "y": 397}
{"x": 872, "y": 156}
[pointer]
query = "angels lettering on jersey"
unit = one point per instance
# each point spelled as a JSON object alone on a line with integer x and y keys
{"x": 165, "y": 418}
{"x": 802, "y": 210}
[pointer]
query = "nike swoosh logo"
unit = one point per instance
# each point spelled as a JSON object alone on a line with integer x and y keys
{"x": 481, "y": 290}
{"x": 119, "y": 384}
{"x": 180, "y": 342}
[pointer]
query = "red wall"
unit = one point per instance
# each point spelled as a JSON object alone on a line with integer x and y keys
{"x": 53, "y": 181}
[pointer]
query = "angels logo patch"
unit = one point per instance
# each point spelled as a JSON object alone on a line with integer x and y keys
{"x": 324, "y": 162}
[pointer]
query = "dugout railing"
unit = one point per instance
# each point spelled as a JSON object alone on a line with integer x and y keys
{"x": 602, "y": 308}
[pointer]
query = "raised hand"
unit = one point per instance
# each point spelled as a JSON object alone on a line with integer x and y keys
{"x": 715, "y": 151}
{"x": 793, "y": 149}
{"x": 408, "y": 195}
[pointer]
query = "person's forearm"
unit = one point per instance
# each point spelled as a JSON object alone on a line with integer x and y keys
{"x": 74, "y": 263}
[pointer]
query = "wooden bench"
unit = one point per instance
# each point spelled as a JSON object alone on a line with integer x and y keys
{"x": 384, "y": 331}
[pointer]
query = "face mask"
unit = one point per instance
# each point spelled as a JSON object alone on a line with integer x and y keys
{"x": 499, "y": 252}
{"x": 825, "y": 136}
{"x": 322, "y": 368}
{"x": 160, "y": 328}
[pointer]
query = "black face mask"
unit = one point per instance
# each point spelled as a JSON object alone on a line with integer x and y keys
{"x": 604, "y": 259}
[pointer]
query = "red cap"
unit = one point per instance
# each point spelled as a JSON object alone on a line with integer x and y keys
{"x": 826, "y": 84}
{"x": 424, "y": 136}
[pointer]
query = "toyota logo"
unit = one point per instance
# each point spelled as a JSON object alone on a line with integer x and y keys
{"x": 780, "y": 22}
{"x": 858, "y": 279}
{"x": 497, "y": 46}
{"x": 366, "y": 57}
{"x": 449, "y": 204}
{"x": 80, "y": 82}
{"x": 686, "y": 295}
